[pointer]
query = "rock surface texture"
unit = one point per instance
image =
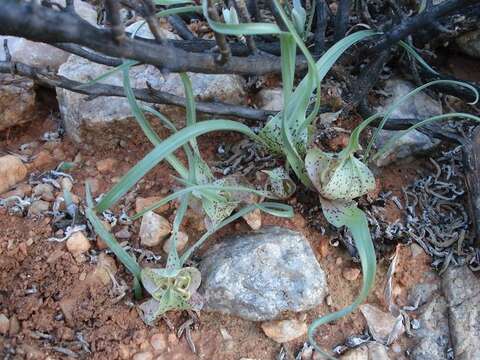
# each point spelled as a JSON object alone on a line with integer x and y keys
{"x": 259, "y": 275}
{"x": 449, "y": 316}
{"x": 17, "y": 101}
{"x": 111, "y": 117}
{"x": 420, "y": 106}
{"x": 462, "y": 291}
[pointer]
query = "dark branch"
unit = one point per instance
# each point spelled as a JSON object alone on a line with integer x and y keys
{"x": 414, "y": 23}
{"x": 46, "y": 25}
{"x": 341, "y": 19}
{"x": 46, "y": 78}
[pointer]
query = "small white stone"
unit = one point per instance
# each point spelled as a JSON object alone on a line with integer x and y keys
{"x": 146, "y": 355}
{"x": 158, "y": 342}
{"x": 44, "y": 192}
{"x": 78, "y": 243}
{"x": 182, "y": 240}
{"x": 283, "y": 331}
{"x": 254, "y": 219}
{"x": 153, "y": 229}
{"x": 381, "y": 324}
{"x": 66, "y": 184}
{"x": 4, "y": 324}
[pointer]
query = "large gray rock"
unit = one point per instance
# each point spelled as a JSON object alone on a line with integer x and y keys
{"x": 17, "y": 101}
{"x": 419, "y": 106}
{"x": 433, "y": 334}
{"x": 412, "y": 143}
{"x": 111, "y": 117}
{"x": 469, "y": 43}
{"x": 462, "y": 290}
{"x": 259, "y": 275}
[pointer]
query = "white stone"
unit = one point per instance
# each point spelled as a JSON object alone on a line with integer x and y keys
{"x": 153, "y": 229}
{"x": 78, "y": 243}
{"x": 283, "y": 331}
{"x": 270, "y": 99}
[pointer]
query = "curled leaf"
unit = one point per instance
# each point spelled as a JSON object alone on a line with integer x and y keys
{"x": 338, "y": 176}
{"x": 171, "y": 289}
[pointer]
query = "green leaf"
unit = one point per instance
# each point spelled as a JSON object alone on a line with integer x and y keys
{"x": 127, "y": 64}
{"x": 412, "y": 52}
{"x": 342, "y": 213}
{"x": 108, "y": 238}
{"x": 338, "y": 176}
{"x": 281, "y": 185}
{"x": 172, "y": 2}
{"x": 179, "y": 10}
{"x": 161, "y": 151}
{"x": 240, "y": 29}
{"x": 145, "y": 125}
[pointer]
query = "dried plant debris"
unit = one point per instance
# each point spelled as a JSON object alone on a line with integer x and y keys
{"x": 436, "y": 217}
{"x": 245, "y": 157}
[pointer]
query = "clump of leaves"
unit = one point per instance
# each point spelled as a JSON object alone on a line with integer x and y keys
{"x": 339, "y": 178}
{"x": 174, "y": 286}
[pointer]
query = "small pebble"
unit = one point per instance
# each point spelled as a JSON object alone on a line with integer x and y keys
{"x": 4, "y": 324}
{"x": 182, "y": 240}
{"x": 106, "y": 165}
{"x": 123, "y": 234}
{"x": 14, "y": 327}
{"x": 66, "y": 184}
{"x": 12, "y": 171}
{"x": 44, "y": 192}
{"x": 351, "y": 274}
{"x": 153, "y": 229}
{"x": 146, "y": 355}
{"x": 284, "y": 330}
{"x": 78, "y": 243}
{"x": 38, "y": 207}
{"x": 158, "y": 342}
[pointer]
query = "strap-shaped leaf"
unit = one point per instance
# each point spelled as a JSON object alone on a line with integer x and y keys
{"x": 343, "y": 213}
{"x": 165, "y": 148}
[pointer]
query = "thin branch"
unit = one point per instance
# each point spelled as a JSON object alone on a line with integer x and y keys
{"x": 113, "y": 18}
{"x": 180, "y": 27}
{"x": 245, "y": 17}
{"x": 341, "y": 19}
{"x": 414, "y": 23}
{"x": 321, "y": 20}
{"x": 223, "y": 47}
{"x": 153, "y": 23}
{"x": 47, "y": 78}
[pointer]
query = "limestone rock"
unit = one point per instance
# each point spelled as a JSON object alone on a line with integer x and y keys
{"x": 153, "y": 229}
{"x": 109, "y": 118}
{"x": 462, "y": 291}
{"x": 261, "y": 274}
{"x": 283, "y": 331}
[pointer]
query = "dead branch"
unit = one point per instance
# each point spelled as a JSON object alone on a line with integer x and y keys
{"x": 47, "y": 78}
